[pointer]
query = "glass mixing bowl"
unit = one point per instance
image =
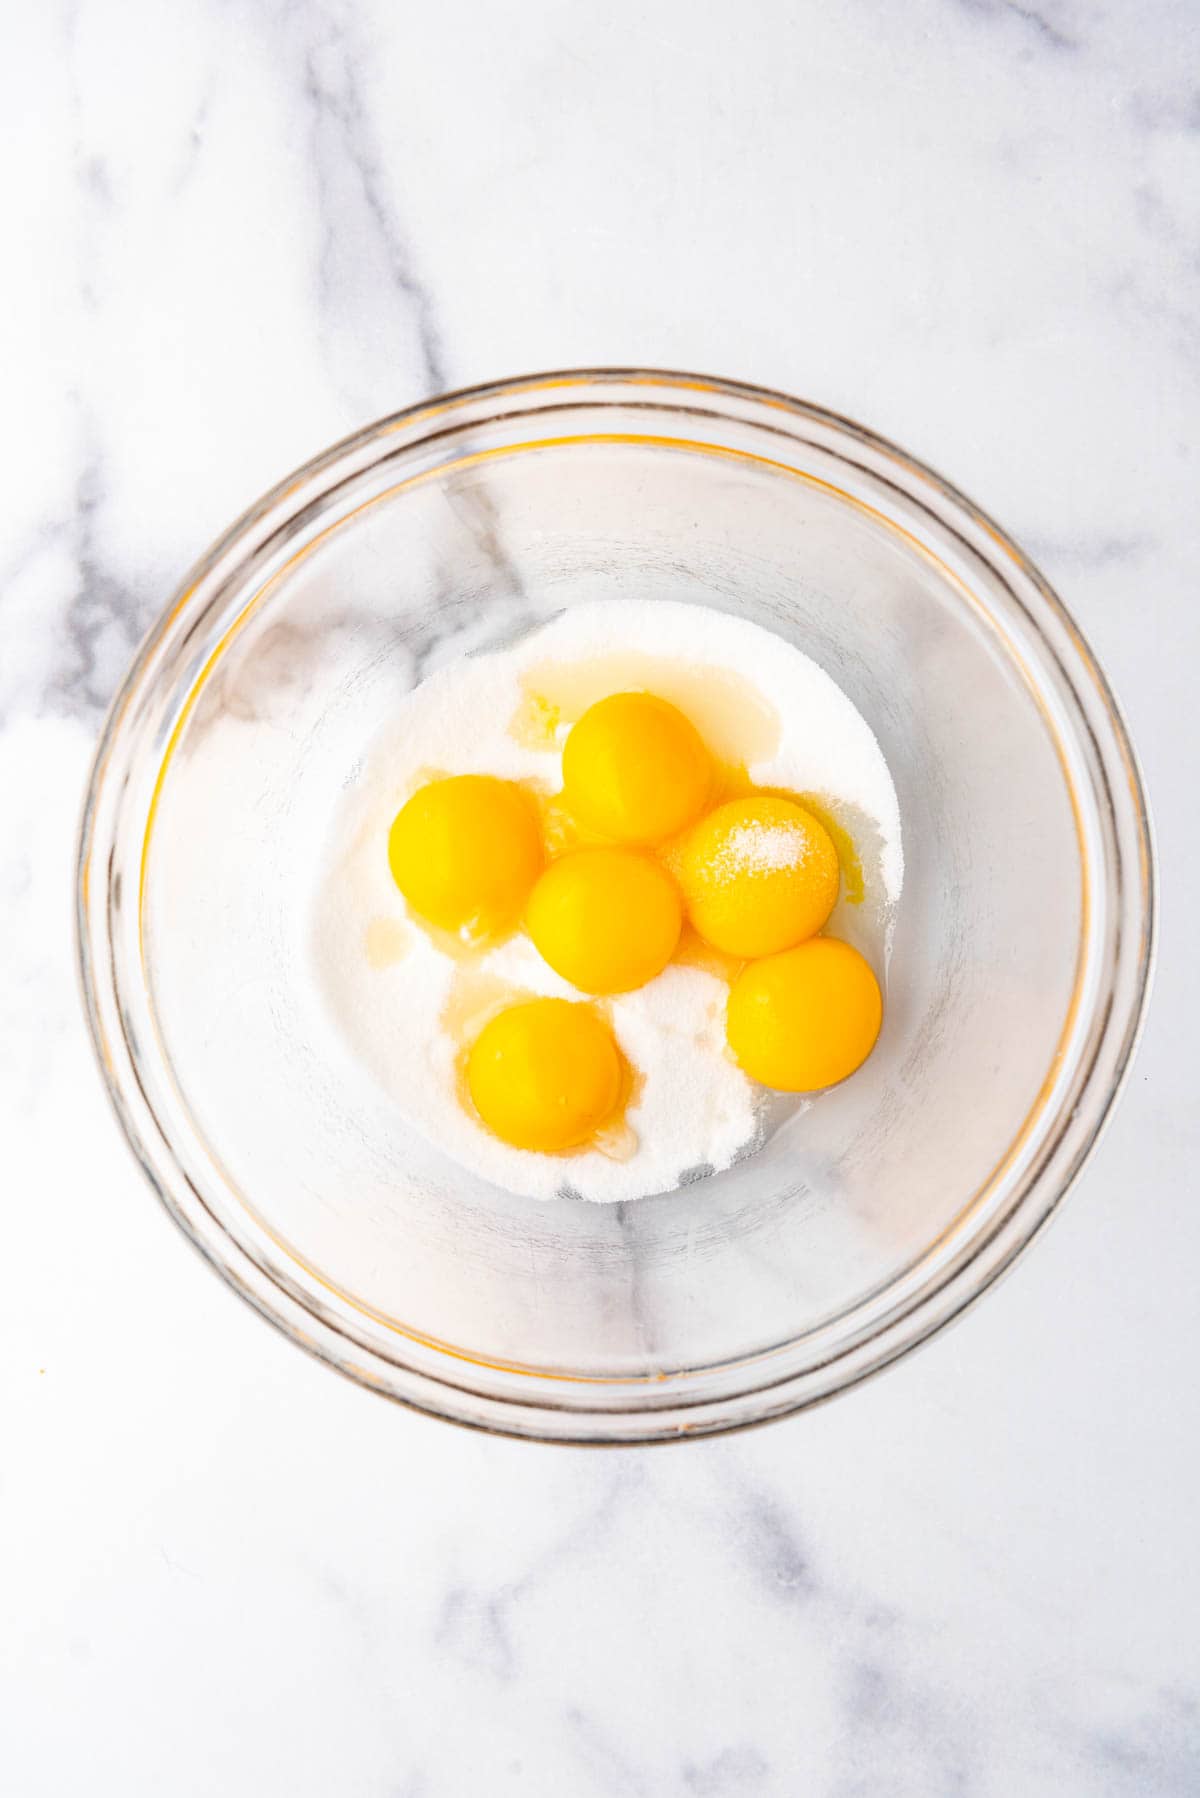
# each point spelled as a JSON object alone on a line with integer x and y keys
{"x": 1020, "y": 961}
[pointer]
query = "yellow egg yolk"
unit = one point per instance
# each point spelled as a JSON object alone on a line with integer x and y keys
{"x": 758, "y": 875}
{"x": 607, "y": 920}
{"x": 545, "y": 1075}
{"x": 465, "y": 852}
{"x": 635, "y": 769}
{"x": 806, "y": 1018}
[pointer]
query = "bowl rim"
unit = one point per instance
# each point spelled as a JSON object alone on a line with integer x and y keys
{"x": 451, "y": 1391}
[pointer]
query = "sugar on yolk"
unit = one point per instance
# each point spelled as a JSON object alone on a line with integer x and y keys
{"x": 635, "y": 769}
{"x": 804, "y": 1019}
{"x": 607, "y": 920}
{"x": 758, "y": 875}
{"x": 545, "y": 1075}
{"x": 465, "y": 852}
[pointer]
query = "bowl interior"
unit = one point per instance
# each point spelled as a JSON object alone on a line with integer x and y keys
{"x": 846, "y": 1201}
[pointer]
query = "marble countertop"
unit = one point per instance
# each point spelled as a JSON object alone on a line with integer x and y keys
{"x": 235, "y": 232}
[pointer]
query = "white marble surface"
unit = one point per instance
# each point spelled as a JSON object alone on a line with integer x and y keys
{"x": 234, "y": 230}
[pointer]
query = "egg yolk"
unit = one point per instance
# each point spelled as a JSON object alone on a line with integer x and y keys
{"x": 635, "y": 769}
{"x": 607, "y": 920}
{"x": 758, "y": 875}
{"x": 464, "y": 852}
{"x": 545, "y": 1075}
{"x": 804, "y": 1019}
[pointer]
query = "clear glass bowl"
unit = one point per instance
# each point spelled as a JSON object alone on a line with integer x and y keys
{"x": 1020, "y": 963}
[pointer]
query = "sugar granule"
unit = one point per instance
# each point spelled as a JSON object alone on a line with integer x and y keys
{"x": 761, "y": 849}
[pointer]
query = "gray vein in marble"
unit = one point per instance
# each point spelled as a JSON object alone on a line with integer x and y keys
{"x": 1091, "y": 554}
{"x": 1047, "y": 31}
{"x": 92, "y": 181}
{"x": 733, "y": 1770}
{"x": 103, "y": 622}
{"x": 474, "y": 1626}
{"x": 603, "y": 1758}
{"x": 342, "y": 140}
{"x": 98, "y": 627}
{"x": 894, "y": 1720}
{"x": 189, "y": 161}
{"x": 1153, "y": 110}
{"x": 1155, "y": 215}
{"x": 342, "y": 143}
{"x": 483, "y": 519}
{"x": 1158, "y": 1756}
{"x": 777, "y": 1555}
{"x": 178, "y": 1567}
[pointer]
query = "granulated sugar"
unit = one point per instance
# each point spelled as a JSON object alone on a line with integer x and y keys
{"x": 760, "y": 849}
{"x": 400, "y": 1001}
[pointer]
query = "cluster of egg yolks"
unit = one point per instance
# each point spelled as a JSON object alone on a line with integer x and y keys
{"x": 545, "y": 1075}
{"x": 607, "y": 920}
{"x": 635, "y": 769}
{"x": 806, "y": 1018}
{"x": 758, "y": 875}
{"x": 465, "y": 852}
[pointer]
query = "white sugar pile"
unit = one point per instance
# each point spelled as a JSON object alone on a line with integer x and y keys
{"x": 389, "y": 988}
{"x": 760, "y": 849}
